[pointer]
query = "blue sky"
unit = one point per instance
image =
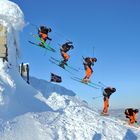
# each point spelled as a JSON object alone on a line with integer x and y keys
{"x": 111, "y": 28}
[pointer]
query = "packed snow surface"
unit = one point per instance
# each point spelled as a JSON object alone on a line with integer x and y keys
{"x": 28, "y": 114}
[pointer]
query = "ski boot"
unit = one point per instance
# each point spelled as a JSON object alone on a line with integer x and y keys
{"x": 85, "y": 80}
{"x": 104, "y": 114}
{"x": 41, "y": 45}
{"x": 62, "y": 65}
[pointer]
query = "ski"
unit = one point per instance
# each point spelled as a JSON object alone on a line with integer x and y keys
{"x": 136, "y": 126}
{"x": 45, "y": 44}
{"x": 80, "y": 80}
{"x": 56, "y": 63}
{"x": 65, "y": 65}
{"x": 33, "y": 43}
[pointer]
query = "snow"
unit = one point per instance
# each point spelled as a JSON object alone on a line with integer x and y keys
{"x": 13, "y": 18}
{"x": 11, "y": 14}
{"x": 42, "y": 110}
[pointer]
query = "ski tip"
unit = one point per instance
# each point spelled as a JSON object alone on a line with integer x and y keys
{"x": 53, "y": 50}
{"x": 30, "y": 42}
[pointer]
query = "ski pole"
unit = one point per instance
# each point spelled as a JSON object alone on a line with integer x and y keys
{"x": 34, "y": 25}
{"x": 59, "y": 44}
{"x": 103, "y": 85}
{"x": 60, "y": 34}
{"x": 97, "y": 97}
{"x": 83, "y": 57}
{"x": 93, "y": 51}
{"x": 80, "y": 69}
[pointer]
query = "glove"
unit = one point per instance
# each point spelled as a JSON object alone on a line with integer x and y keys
{"x": 72, "y": 47}
{"x": 49, "y": 39}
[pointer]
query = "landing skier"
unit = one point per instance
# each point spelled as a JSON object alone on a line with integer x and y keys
{"x": 106, "y": 94}
{"x": 63, "y": 50}
{"x": 88, "y": 62}
{"x": 131, "y": 114}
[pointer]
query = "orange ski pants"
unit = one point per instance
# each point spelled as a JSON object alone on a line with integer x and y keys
{"x": 65, "y": 55}
{"x": 106, "y": 105}
{"x": 88, "y": 72}
{"x": 132, "y": 119}
{"x": 43, "y": 36}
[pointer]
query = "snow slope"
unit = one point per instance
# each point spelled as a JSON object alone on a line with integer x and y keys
{"x": 42, "y": 110}
{"x": 67, "y": 119}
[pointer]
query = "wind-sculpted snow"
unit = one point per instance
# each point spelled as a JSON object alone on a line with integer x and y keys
{"x": 17, "y": 97}
{"x": 69, "y": 120}
{"x": 11, "y": 13}
{"x": 47, "y": 87}
{"x": 12, "y": 18}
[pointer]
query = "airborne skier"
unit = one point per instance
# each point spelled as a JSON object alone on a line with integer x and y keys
{"x": 88, "y": 62}
{"x": 43, "y": 34}
{"x": 63, "y": 50}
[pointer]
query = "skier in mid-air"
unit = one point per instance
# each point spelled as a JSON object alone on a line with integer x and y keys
{"x": 43, "y": 34}
{"x": 88, "y": 62}
{"x": 63, "y": 50}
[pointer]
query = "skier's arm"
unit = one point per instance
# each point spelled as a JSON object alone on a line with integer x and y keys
{"x": 49, "y": 38}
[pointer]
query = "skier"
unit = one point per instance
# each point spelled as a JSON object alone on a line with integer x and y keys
{"x": 106, "y": 94}
{"x": 63, "y": 50}
{"x": 131, "y": 114}
{"x": 88, "y": 62}
{"x": 43, "y": 34}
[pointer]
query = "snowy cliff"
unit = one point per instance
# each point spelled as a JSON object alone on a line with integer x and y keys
{"x": 42, "y": 110}
{"x": 12, "y": 18}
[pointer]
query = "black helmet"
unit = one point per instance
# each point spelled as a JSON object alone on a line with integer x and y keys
{"x": 42, "y": 27}
{"x": 136, "y": 110}
{"x": 69, "y": 42}
{"x": 49, "y": 29}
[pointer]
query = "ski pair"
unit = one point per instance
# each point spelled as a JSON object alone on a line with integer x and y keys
{"x": 58, "y": 62}
{"x": 91, "y": 84}
{"x": 42, "y": 43}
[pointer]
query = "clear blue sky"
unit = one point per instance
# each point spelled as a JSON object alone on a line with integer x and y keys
{"x": 112, "y": 27}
